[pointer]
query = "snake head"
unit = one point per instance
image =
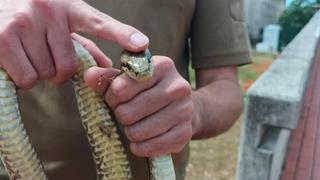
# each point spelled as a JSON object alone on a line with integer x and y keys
{"x": 138, "y": 66}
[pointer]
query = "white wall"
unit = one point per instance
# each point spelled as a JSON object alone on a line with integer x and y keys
{"x": 260, "y": 13}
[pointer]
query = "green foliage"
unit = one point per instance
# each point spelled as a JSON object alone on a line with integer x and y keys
{"x": 245, "y": 73}
{"x": 192, "y": 76}
{"x": 264, "y": 54}
{"x": 293, "y": 19}
{"x": 297, "y": 15}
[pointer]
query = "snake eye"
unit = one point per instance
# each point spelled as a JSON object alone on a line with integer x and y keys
{"x": 148, "y": 55}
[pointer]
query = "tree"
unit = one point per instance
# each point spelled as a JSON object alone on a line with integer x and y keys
{"x": 294, "y": 19}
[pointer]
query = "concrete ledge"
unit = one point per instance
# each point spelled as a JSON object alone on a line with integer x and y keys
{"x": 273, "y": 108}
{"x": 284, "y": 83}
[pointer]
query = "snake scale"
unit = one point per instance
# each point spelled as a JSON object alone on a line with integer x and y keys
{"x": 19, "y": 156}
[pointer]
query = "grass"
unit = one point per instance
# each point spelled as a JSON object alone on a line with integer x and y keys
{"x": 216, "y": 158}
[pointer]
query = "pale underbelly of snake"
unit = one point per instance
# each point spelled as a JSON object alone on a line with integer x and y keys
{"x": 19, "y": 156}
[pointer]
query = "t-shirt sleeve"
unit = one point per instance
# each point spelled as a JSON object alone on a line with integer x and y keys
{"x": 218, "y": 34}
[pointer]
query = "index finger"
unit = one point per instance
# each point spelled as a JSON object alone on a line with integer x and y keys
{"x": 84, "y": 18}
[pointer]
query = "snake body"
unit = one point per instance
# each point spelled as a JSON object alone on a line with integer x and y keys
{"x": 18, "y": 154}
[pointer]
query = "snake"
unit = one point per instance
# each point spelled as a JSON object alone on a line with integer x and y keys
{"x": 19, "y": 156}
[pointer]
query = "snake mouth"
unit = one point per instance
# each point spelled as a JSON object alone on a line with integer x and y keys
{"x": 126, "y": 65}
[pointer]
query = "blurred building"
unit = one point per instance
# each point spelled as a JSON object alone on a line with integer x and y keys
{"x": 260, "y": 13}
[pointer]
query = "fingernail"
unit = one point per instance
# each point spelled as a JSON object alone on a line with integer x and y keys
{"x": 139, "y": 39}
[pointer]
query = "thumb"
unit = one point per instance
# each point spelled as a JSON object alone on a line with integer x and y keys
{"x": 86, "y": 19}
{"x": 99, "y": 78}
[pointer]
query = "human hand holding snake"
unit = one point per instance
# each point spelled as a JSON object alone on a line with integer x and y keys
{"x": 156, "y": 113}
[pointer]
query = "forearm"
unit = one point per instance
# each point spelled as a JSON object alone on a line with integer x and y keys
{"x": 217, "y": 106}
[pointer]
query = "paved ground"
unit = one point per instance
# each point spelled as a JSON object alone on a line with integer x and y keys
{"x": 215, "y": 159}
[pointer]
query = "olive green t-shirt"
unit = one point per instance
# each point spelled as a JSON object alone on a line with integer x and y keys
{"x": 211, "y": 33}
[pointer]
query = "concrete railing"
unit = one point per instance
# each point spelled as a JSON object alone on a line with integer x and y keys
{"x": 273, "y": 108}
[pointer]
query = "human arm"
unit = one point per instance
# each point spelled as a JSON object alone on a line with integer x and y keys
{"x": 218, "y": 101}
{"x": 35, "y": 41}
{"x": 219, "y": 44}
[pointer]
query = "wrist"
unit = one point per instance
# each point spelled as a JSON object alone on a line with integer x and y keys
{"x": 196, "y": 119}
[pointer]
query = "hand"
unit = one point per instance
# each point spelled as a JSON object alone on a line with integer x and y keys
{"x": 156, "y": 114}
{"x": 35, "y": 41}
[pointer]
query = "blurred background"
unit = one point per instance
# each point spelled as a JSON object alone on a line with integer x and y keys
{"x": 271, "y": 25}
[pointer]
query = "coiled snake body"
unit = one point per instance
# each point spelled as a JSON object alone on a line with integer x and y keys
{"x": 18, "y": 154}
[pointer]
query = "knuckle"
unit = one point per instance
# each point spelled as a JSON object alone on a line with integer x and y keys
{"x": 124, "y": 115}
{"x": 119, "y": 90}
{"x": 141, "y": 149}
{"x": 21, "y": 20}
{"x": 47, "y": 73}
{"x": 166, "y": 64}
{"x": 179, "y": 88}
{"x": 46, "y": 7}
{"x": 133, "y": 134}
{"x": 100, "y": 21}
{"x": 182, "y": 87}
{"x": 27, "y": 80}
{"x": 98, "y": 17}
{"x": 68, "y": 68}
{"x": 40, "y": 3}
{"x": 147, "y": 150}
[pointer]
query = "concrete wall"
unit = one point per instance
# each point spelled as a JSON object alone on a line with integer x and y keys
{"x": 273, "y": 108}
